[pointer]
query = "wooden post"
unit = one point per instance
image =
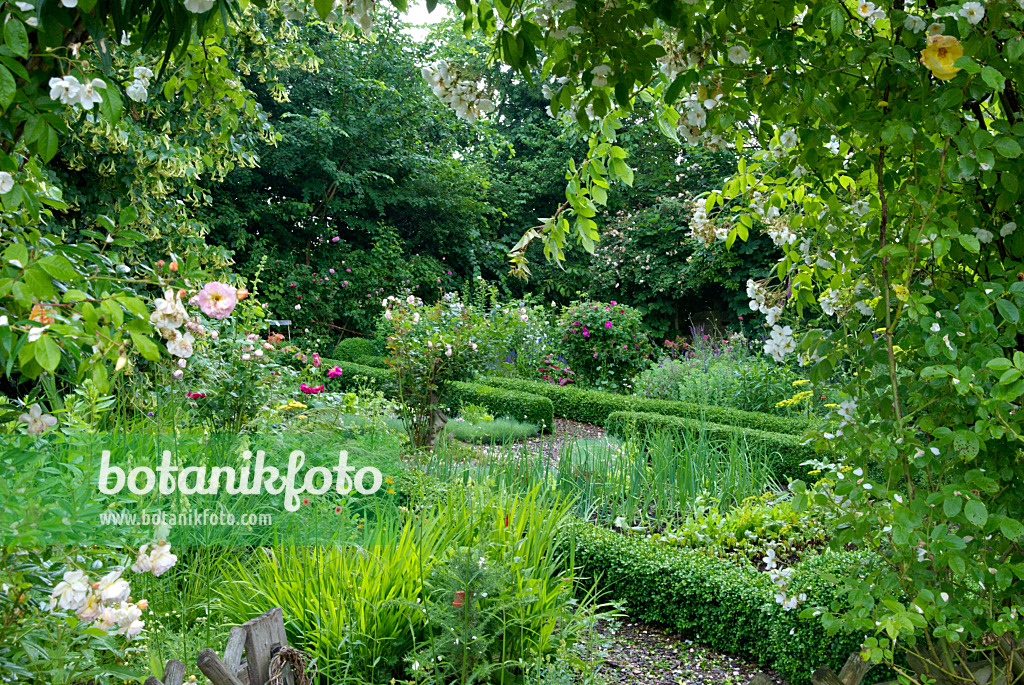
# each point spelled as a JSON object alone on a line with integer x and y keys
{"x": 174, "y": 674}
{"x": 262, "y": 634}
{"x": 215, "y": 669}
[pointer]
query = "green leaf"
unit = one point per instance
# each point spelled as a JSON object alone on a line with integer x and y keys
{"x": 968, "y": 65}
{"x": 976, "y": 512}
{"x": 16, "y": 37}
{"x": 147, "y": 348}
{"x": 1007, "y": 147}
{"x": 993, "y": 78}
{"x": 969, "y": 242}
{"x": 323, "y": 7}
{"x": 8, "y": 89}
{"x": 952, "y": 506}
{"x": 47, "y": 353}
{"x": 1008, "y": 310}
{"x": 1011, "y": 528}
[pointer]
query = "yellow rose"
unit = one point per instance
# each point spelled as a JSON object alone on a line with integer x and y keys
{"x": 940, "y": 54}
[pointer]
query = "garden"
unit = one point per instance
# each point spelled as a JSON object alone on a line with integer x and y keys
{"x": 543, "y": 343}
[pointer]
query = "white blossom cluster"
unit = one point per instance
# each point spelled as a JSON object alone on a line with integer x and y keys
{"x": 701, "y": 228}
{"x": 759, "y": 302}
{"x": 70, "y": 91}
{"x": 550, "y": 16}
{"x": 138, "y": 89}
{"x": 780, "y": 578}
{"x": 107, "y": 602}
{"x": 168, "y": 316}
{"x": 467, "y": 98}
{"x": 359, "y": 12}
{"x": 780, "y": 343}
{"x": 676, "y": 59}
{"x": 693, "y": 118}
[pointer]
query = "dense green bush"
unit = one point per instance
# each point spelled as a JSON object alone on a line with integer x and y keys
{"x": 604, "y": 343}
{"x": 594, "y": 406}
{"x": 725, "y": 606}
{"x": 522, "y": 406}
{"x": 790, "y": 450}
{"x": 350, "y": 349}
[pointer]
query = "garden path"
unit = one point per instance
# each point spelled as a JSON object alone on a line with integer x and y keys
{"x": 551, "y": 443}
{"x": 644, "y": 654}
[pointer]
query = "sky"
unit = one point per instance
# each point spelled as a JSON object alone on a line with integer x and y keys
{"x": 417, "y": 14}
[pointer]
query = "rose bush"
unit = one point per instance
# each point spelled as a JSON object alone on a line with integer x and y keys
{"x": 604, "y": 343}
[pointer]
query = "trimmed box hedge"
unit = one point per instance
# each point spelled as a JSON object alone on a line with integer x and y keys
{"x": 789, "y": 451}
{"x": 521, "y": 406}
{"x": 716, "y": 603}
{"x": 351, "y": 349}
{"x": 595, "y": 406}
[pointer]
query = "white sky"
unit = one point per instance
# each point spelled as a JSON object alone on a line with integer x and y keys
{"x": 417, "y": 15}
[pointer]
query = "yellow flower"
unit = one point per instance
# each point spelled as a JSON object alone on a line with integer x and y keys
{"x": 301, "y": 416}
{"x": 391, "y": 491}
{"x": 939, "y": 56}
{"x": 389, "y": 480}
{"x": 800, "y": 382}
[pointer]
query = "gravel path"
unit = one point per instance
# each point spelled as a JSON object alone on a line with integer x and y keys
{"x": 644, "y": 654}
{"x": 551, "y": 443}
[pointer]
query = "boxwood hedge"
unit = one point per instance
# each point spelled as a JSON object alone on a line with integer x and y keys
{"x": 521, "y": 406}
{"x": 788, "y": 450}
{"x": 716, "y": 603}
{"x": 595, "y": 406}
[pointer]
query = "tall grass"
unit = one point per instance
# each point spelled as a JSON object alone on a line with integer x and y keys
{"x": 358, "y": 607}
{"x": 640, "y": 480}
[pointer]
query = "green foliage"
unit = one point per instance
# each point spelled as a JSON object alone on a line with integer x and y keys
{"x": 787, "y": 451}
{"x": 604, "y": 343}
{"x": 728, "y": 375}
{"x": 364, "y": 611}
{"x": 349, "y": 349}
{"x": 496, "y": 431}
{"x": 595, "y": 406}
{"x": 726, "y": 607}
{"x": 505, "y": 402}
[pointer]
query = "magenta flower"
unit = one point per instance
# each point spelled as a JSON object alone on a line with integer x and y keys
{"x": 311, "y": 390}
{"x": 331, "y": 270}
{"x": 335, "y": 239}
{"x": 607, "y": 324}
{"x": 613, "y": 303}
{"x": 335, "y": 372}
{"x": 316, "y": 359}
{"x": 217, "y": 300}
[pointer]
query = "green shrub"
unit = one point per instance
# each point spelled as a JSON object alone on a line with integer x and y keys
{"x": 495, "y": 431}
{"x": 374, "y": 360}
{"x": 604, "y": 342}
{"x": 788, "y": 450}
{"x": 349, "y": 349}
{"x": 521, "y": 406}
{"x": 727, "y": 607}
{"x": 595, "y": 406}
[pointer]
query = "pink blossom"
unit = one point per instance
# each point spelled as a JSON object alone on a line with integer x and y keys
{"x": 335, "y": 239}
{"x": 607, "y": 324}
{"x": 331, "y": 271}
{"x": 614, "y": 303}
{"x": 316, "y": 359}
{"x": 311, "y": 390}
{"x": 217, "y": 300}
{"x": 335, "y": 372}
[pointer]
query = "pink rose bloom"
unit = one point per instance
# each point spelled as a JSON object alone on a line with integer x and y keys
{"x": 607, "y": 324}
{"x": 335, "y": 239}
{"x": 316, "y": 359}
{"x": 331, "y": 270}
{"x": 217, "y": 300}
{"x": 335, "y": 372}
{"x": 613, "y": 303}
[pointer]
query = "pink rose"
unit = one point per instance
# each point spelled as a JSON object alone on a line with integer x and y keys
{"x": 607, "y": 324}
{"x": 217, "y": 300}
{"x": 335, "y": 372}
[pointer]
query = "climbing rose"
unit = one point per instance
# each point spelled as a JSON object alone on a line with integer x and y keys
{"x": 939, "y": 56}
{"x": 217, "y": 300}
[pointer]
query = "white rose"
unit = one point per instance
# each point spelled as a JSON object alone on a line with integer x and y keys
{"x": 162, "y": 559}
{"x": 71, "y": 593}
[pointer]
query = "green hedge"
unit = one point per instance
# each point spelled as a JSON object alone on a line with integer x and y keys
{"x": 726, "y": 607}
{"x": 521, "y": 406}
{"x": 595, "y": 406}
{"x": 789, "y": 451}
